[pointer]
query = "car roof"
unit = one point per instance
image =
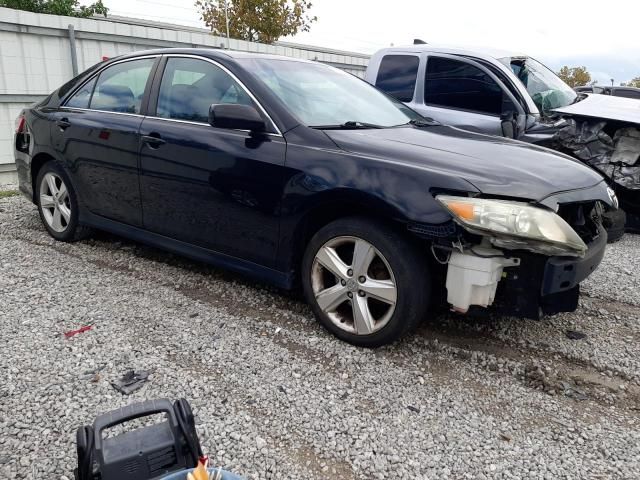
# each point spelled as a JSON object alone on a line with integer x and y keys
{"x": 624, "y": 87}
{"x": 211, "y": 53}
{"x": 489, "y": 55}
{"x": 470, "y": 51}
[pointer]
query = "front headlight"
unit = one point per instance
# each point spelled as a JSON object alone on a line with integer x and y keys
{"x": 515, "y": 224}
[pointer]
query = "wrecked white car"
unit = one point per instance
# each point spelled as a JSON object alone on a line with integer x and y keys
{"x": 515, "y": 96}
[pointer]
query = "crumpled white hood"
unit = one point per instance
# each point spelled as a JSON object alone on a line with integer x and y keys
{"x": 605, "y": 107}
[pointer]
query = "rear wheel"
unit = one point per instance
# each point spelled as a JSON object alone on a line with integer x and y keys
{"x": 58, "y": 204}
{"x": 366, "y": 283}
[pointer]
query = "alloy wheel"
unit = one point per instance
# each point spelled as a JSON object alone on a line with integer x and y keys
{"x": 55, "y": 202}
{"x": 354, "y": 285}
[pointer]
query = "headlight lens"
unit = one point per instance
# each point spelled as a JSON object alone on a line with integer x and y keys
{"x": 502, "y": 218}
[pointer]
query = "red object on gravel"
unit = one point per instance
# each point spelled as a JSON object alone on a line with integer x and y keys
{"x": 71, "y": 333}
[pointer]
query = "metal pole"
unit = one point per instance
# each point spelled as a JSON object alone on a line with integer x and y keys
{"x": 226, "y": 17}
{"x": 72, "y": 46}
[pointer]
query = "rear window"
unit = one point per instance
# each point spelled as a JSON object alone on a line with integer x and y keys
{"x": 397, "y": 76}
{"x": 82, "y": 97}
{"x": 71, "y": 84}
{"x": 120, "y": 87}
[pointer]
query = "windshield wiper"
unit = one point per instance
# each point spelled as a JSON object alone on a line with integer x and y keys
{"x": 350, "y": 125}
{"x": 423, "y": 122}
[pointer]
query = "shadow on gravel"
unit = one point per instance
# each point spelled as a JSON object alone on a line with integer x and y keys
{"x": 492, "y": 343}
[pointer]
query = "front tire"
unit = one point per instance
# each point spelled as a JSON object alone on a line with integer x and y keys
{"x": 366, "y": 283}
{"x": 58, "y": 204}
{"x": 614, "y": 222}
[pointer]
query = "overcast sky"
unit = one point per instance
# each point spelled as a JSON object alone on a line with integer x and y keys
{"x": 603, "y": 37}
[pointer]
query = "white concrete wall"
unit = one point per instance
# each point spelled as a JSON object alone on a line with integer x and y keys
{"x": 35, "y": 56}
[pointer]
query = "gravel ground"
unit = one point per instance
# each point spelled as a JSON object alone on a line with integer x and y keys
{"x": 277, "y": 397}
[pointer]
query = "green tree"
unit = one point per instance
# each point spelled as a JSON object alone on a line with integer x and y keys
{"x": 70, "y": 8}
{"x": 633, "y": 83}
{"x": 257, "y": 20}
{"x": 575, "y": 76}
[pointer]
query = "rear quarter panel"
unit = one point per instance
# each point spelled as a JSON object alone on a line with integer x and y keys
{"x": 39, "y": 124}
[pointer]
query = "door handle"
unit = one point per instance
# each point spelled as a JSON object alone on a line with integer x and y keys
{"x": 153, "y": 140}
{"x": 63, "y": 123}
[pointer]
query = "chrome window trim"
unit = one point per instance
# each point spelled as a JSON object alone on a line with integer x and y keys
{"x": 96, "y": 75}
{"x": 64, "y": 107}
{"x": 189, "y": 122}
{"x": 236, "y": 79}
{"x": 204, "y": 124}
{"x": 73, "y": 109}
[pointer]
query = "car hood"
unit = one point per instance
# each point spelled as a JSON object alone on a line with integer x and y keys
{"x": 493, "y": 165}
{"x": 605, "y": 107}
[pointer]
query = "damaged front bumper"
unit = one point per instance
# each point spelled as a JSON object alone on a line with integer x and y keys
{"x": 542, "y": 285}
{"x": 520, "y": 283}
{"x": 610, "y": 147}
{"x": 612, "y": 150}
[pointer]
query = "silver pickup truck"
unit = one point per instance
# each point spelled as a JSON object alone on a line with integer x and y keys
{"x": 515, "y": 96}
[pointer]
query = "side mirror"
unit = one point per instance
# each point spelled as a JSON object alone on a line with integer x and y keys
{"x": 236, "y": 117}
{"x": 509, "y": 123}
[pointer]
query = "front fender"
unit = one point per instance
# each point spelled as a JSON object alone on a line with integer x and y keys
{"x": 329, "y": 178}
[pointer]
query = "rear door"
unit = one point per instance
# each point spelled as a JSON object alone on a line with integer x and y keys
{"x": 96, "y": 132}
{"x": 398, "y": 76}
{"x": 215, "y": 188}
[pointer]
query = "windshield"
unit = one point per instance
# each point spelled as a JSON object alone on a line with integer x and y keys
{"x": 547, "y": 90}
{"x": 323, "y": 96}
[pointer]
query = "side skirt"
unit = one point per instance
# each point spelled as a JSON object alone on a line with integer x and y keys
{"x": 227, "y": 262}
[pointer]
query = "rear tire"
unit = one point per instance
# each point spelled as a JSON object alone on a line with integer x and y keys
{"x": 58, "y": 204}
{"x": 366, "y": 283}
{"x": 614, "y": 222}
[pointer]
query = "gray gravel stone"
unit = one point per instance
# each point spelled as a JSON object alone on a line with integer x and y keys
{"x": 277, "y": 397}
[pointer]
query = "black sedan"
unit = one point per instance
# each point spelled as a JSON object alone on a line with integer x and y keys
{"x": 297, "y": 173}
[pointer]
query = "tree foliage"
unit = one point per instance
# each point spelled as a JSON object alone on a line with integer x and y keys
{"x": 257, "y": 20}
{"x": 575, "y": 76}
{"x": 633, "y": 83}
{"x": 70, "y": 8}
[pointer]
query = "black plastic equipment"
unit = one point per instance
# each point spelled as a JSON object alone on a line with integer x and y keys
{"x": 143, "y": 454}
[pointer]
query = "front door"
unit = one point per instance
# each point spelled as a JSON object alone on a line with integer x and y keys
{"x": 215, "y": 188}
{"x": 464, "y": 94}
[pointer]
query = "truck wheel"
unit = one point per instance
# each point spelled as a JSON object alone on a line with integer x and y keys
{"x": 366, "y": 283}
{"x": 614, "y": 222}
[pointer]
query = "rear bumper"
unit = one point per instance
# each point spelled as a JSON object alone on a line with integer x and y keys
{"x": 23, "y": 167}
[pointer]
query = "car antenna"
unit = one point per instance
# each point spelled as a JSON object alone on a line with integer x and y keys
{"x": 417, "y": 41}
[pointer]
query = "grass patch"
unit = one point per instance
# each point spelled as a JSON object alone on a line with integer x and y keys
{"x": 8, "y": 193}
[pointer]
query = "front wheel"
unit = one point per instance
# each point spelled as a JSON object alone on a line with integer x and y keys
{"x": 366, "y": 283}
{"x": 614, "y": 222}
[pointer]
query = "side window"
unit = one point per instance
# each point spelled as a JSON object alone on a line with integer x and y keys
{"x": 621, "y": 92}
{"x": 455, "y": 84}
{"x": 120, "y": 88}
{"x": 190, "y": 86}
{"x": 397, "y": 76}
{"x": 81, "y": 98}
